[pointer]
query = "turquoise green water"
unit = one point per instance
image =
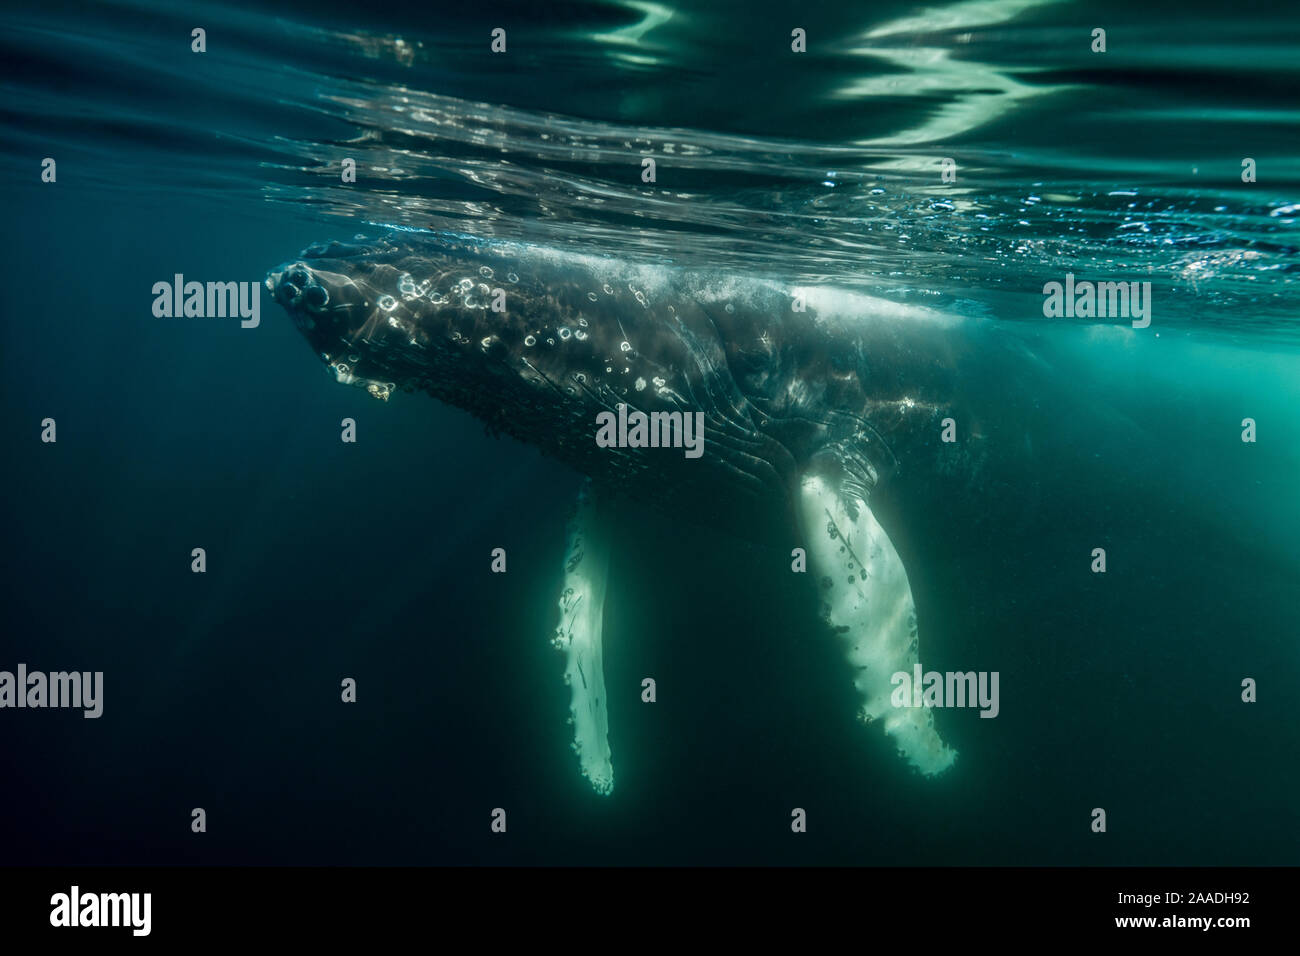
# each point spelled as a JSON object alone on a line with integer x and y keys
{"x": 826, "y": 167}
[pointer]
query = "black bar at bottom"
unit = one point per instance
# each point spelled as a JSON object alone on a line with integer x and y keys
{"x": 603, "y": 908}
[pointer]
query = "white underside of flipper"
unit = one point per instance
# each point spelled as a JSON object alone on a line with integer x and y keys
{"x": 582, "y": 605}
{"x": 869, "y": 604}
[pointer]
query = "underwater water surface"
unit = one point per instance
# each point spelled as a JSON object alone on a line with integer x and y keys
{"x": 326, "y": 560}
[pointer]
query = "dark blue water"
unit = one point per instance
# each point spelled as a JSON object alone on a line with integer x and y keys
{"x": 371, "y": 560}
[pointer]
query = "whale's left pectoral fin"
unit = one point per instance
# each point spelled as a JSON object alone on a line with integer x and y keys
{"x": 868, "y": 602}
{"x": 582, "y": 605}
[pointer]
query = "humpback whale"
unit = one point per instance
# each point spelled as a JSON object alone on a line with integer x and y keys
{"x": 809, "y": 399}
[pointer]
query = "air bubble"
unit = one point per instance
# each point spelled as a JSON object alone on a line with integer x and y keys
{"x": 485, "y": 271}
{"x": 659, "y": 382}
{"x": 530, "y": 341}
{"x": 565, "y": 333}
{"x": 640, "y": 384}
{"x": 387, "y": 303}
{"x": 582, "y": 322}
{"x": 625, "y": 346}
{"x": 591, "y": 296}
{"x": 580, "y": 335}
{"x": 608, "y": 290}
{"x": 511, "y": 277}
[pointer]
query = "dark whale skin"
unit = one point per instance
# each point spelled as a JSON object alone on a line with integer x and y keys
{"x": 787, "y": 379}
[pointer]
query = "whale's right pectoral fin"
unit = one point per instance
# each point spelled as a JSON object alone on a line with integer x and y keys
{"x": 582, "y": 606}
{"x": 868, "y": 603}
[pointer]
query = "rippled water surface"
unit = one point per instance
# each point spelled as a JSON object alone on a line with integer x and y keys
{"x": 823, "y": 165}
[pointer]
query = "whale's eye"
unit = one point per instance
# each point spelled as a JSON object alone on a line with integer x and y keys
{"x": 299, "y": 277}
{"x": 316, "y": 297}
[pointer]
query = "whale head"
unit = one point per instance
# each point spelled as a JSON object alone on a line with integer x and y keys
{"x": 482, "y": 326}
